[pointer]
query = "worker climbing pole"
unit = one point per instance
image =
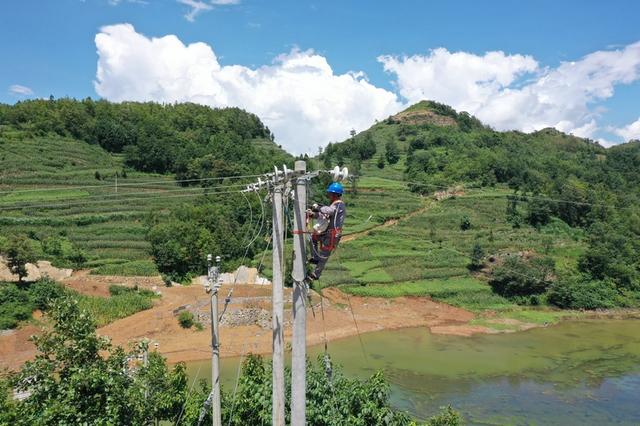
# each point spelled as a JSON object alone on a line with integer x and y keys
{"x": 324, "y": 238}
{"x": 328, "y": 229}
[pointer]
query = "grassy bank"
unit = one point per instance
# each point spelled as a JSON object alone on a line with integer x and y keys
{"x": 17, "y": 302}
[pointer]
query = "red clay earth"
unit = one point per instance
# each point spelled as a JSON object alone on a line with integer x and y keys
{"x": 160, "y": 323}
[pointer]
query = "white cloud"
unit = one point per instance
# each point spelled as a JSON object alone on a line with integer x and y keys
{"x": 196, "y": 6}
{"x": 19, "y": 90}
{"x": 298, "y": 96}
{"x": 628, "y": 132}
{"x": 513, "y": 91}
{"x": 464, "y": 80}
{"x": 307, "y": 104}
{"x": 199, "y": 6}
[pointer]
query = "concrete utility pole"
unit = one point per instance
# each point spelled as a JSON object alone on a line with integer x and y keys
{"x": 277, "y": 413}
{"x": 213, "y": 287}
{"x": 299, "y": 349}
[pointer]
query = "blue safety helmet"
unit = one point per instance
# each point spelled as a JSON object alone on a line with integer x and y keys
{"x": 335, "y": 188}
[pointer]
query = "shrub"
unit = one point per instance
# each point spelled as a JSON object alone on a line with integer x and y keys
{"x": 186, "y": 319}
{"x": 15, "y": 306}
{"x": 447, "y": 417}
{"x": 477, "y": 258}
{"x": 465, "y": 223}
{"x": 518, "y": 277}
{"x": 578, "y": 292}
{"x": 44, "y": 291}
{"x": 77, "y": 257}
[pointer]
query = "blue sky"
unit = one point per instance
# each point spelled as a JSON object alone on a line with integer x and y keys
{"x": 49, "y": 47}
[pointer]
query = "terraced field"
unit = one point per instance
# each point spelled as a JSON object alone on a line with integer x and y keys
{"x": 68, "y": 188}
{"x": 424, "y": 252}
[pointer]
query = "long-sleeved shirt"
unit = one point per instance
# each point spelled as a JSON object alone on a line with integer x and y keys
{"x": 336, "y": 213}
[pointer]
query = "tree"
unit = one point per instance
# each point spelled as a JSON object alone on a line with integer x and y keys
{"x": 465, "y": 223}
{"x": 477, "y": 258}
{"x": 539, "y": 213}
{"x": 518, "y": 278}
{"x": 512, "y": 213}
{"x": 332, "y": 398}
{"x": 380, "y": 162}
{"x": 392, "y": 152}
{"x": 580, "y": 292}
{"x": 77, "y": 257}
{"x": 20, "y": 253}
{"x": 77, "y": 377}
{"x": 612, "y": 255}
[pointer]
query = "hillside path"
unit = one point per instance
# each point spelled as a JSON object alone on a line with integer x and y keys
{"x": 386, "y": 224}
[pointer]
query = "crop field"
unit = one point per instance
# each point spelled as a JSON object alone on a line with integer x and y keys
{"x": 68, "y": 188}
{"x": 426, "y": 253}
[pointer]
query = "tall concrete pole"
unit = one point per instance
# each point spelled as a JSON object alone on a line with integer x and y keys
{"x": 277, "y": 412}
{"x": 299, "y": 350}
{"x": 215, "y": 343}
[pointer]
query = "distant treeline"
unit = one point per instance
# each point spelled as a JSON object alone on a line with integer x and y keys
{"x": 190, "y": 140}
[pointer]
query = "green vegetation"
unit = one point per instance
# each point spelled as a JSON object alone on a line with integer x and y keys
{"x": 186, "y": 319}
{"x": 124, "y": 302}
{"x": 505, "y": 202}
{"x": 103, "y": 168}
{"x": 544, "y": 217}
{"x": 133, "y": 268}
{"x": 19, "y": 253}
{"x": 78, "y": 377}
{"x": 17, "y": 302}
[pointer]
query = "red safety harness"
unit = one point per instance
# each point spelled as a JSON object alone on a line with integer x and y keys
{"x": 334, "y": 233}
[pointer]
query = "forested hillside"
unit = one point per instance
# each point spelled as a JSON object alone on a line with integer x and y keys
{"x": 516, "y": 218}
{"x": 95, "y": 184}
{"x": 542, "y": 218}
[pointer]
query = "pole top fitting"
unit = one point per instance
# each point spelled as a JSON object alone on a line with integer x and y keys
{"x": 300, "y": 166}
{"x": 209, "y": 258}
{"x": 217, "y": 259}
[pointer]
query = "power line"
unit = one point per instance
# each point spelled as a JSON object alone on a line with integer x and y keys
{"x": 143, "y": 183}
{"x": 536, "y": 197}
{"x": 123, "y": 196}
{"x": 65, "y": 205}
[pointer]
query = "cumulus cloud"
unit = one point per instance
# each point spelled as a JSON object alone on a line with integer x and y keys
{"x": 19, "y": 90}
{"x": 629, "y": 132}
{"x": 299, "y": 96}
{"x": 513, "y": 91}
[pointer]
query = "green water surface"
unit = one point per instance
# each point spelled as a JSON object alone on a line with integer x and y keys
{"x": 577, "y": 372}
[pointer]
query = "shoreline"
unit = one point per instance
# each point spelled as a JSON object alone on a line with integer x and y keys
{"x": 159, "y": 324}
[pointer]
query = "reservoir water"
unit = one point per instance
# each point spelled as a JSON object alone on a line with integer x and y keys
{"x": 574, "y": 373}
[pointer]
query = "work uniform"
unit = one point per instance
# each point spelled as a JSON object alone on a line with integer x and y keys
{"x": 324, "y": 243}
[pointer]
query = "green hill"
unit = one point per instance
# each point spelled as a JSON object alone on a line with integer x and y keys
{"x": 525, "y": 199}
{"x": 444, "y": 206}
{"x": 88, "y": 176}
